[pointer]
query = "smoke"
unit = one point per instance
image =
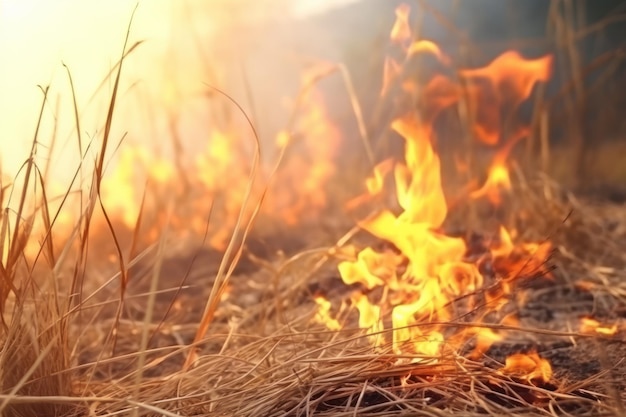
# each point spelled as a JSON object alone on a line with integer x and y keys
{"x": 253, "y": 51}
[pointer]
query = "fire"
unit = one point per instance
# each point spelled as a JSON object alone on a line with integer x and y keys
{"x": 492, "y": 95}
{"x": 372, "y": 269}
{"x": 313, "y": 141}
{"x": 209, "y": 186}
{"x": 401, "y": 30}
{"x": 180, "y": 144}
{"x": 589, "y": 325}
{"x": 120, "y": 190}
{"x": 426, "y": 271}
{"x": 376, "y": 182}
{"x": 530, "y": 367}
{"x": 423, "y": 46}
{"x": 423, "y": 282}
{"x": 218, "y": 176}
{"x": 369, "y": 318}
{"x": 498, "y": 180}
{"x": 323, "y": 314}
{"x": 504, "y": 247}
{"x": 510, "y": 80}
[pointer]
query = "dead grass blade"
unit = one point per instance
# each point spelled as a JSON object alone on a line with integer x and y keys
{"x": 150, "y": 306}
{"x": 14, "y": 390}
{"x": 98, "y": 175}
{"x": 14, "y": 242}
{"x": 229, "y": 260}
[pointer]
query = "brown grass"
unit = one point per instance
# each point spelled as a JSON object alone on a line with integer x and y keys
{"x": 73, "y": 349}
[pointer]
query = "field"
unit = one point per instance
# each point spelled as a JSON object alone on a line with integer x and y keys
{"x": 436, "y": 227}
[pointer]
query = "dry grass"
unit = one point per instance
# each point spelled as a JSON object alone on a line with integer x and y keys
{"x": 75, "y": 349}
{"x": 267, "y": 358}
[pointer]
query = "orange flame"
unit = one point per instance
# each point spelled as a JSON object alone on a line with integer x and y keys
{"x": 511, "y": 79}
{"x": 504, "y": 247}
{"x": 589, "y": 325}
{"x": 401, "y": 31}
{"x": 530, "y": 367}
{"x": 315, "y": 140}
{"x": 498, "y": 179}
{"x": 217, "y": 177}
{"x": 427, "y": 271}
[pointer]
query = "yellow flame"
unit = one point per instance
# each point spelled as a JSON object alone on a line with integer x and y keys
{"x": 423, "y": 280}
{"x": 323, "y": 314}
{"x": 401, "y": 31}
{"x": 589, "y": 325}
{"x": 529, "y": 366}
{"x": 498, "y": 179}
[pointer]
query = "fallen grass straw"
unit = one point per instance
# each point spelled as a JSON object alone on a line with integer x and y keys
{"x": 290, "y": 367}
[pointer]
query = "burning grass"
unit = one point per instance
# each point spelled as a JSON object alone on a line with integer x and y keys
{"x": 490, "y": 303}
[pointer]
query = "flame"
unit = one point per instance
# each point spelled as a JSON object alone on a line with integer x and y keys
{"x": 530, "y": 367}
{"x": 218, "y": 177}
{"x": 505, "y": 246}
{"x": 205, "y": 173}
{"x": 493, "y": 94}
{"x": 372, "y": 269}
{"x": 485, "y": 337}
{"x": 510, "y": 79}
{"x": 401, "y": 31}
{"x": 498, "y": 179}
{"x": 435, "y": 272}
{"x": 120, "y": 191}
{"x": 425, "y": 272}
{"x": 323, "y": 314}
{"x": 589, "y": 325}
{"x": 375, "y": 183}
{"x": 370, "y": 318}
{"x": 302, "y": 176}
{"x": 426, "y": 46}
